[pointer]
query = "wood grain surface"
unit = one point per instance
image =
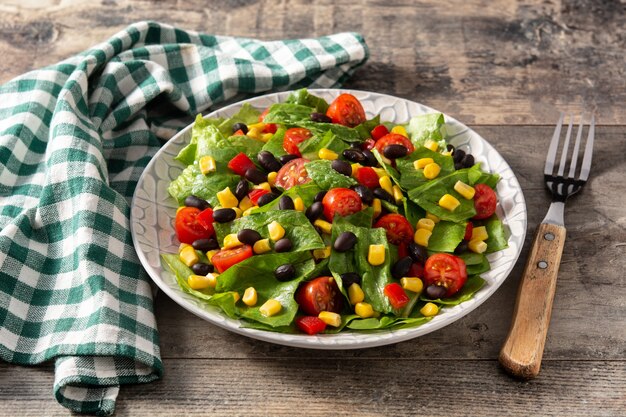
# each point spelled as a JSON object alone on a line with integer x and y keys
{"x": 503, "y": 68}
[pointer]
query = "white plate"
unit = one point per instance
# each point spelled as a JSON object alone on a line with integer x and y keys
{"x": 153, "y": 211}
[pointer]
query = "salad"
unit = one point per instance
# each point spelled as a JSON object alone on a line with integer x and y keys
{"x": 310, "y": 218}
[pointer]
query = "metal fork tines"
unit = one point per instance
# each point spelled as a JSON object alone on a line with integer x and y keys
{"x": 560, "y": 185}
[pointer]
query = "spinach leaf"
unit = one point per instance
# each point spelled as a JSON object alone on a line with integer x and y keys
{"x": 306, "y": 192}
{"x": 325, "y": 177}
{"x": 412, "y": 211}
{"x": 411, "y": 177}
{"x": 310, "y": 147}
{"x": 363, "y": 218}
{"x": 473, "y": 284}
{"x": 425, "y": 126}
{"x": 446, "y": 236}
{"x": 247, "y": 115}
{"x": 498, "y": 238}
{"x": 476, "y": 176}
{"x": 344, "y": 133}
{"x": 275, "y": 144}
{"x": 192, "y": 181}
{"x": 303, "y": 97}
{"x": 288, "y": 114}
{"x": 367, "y": 126}
{"x": 386, "y": 322}
{"x": 391, "y": 171}
{"x": 479, "y": 268}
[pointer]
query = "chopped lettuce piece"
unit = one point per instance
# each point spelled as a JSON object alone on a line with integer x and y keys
{"x": 275, "y": 144}
{"x": 473, "y": 284}
{"x": 311, "y": 147}
{"x": 498, "y": 238}
{"x": 306, "y": 192}
{"x": 426, "y": 126}
{"x": 192, "y": 181}
{"x": 325, "y": 177}
{"x": 303, "y": 97}
{"x": 411, "y": 178}
{"x": 446, "y": 236}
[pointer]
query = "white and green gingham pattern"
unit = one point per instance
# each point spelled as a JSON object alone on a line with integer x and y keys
{"x": 74, "y": 139}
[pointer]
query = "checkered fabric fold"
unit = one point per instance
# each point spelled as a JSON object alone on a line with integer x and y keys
{"x": 74, "y": 139}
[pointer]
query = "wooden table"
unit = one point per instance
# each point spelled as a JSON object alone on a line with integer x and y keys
{"x": 503, "y": 68}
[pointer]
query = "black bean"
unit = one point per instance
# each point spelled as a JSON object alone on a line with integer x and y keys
{"x": 255, "y": 176}
{"x": 449, "y": 148}
{"x": 458, "y": 165}
{"x": 205, "y": 245}
{"x": 383, "y": 195}
{"x": 401, "y": 268}
{"x": 240, "y": 126}
{"x": 395, "y": 151}
{"x": 248, "y": 236}
{"x": 344, "y": 242}
{"x": 468, "y": 161}
{"x": 285, "y": 272}
{"x": 286, "y": 158}
{"x": 320, "y": 118}
{"x": 197, "y": 202}
{"x": 435, "y": 291}
{"x": 458, "y": 155}
{"x": 201, "y": 268}
{"x": 461, "y": 248}
{"x": 319, "y": 196}
{"x": 266, "y": 199}
{"x": 283, "y": 245}
{"x": 268, "y": 161}
{"x": 365, "y": 193}
{"x": 418, "y": 252}
{"x": 353, "y": 155}
{"x": 350, "y": 278}
{"x": 370, "y": 160}
{"x": 224, "y": 215}
{"x": 286, "y": 203}
{"x": 242, "y": 189}
{"x": 341, "y": 167}
{"x": 314, "y": 211}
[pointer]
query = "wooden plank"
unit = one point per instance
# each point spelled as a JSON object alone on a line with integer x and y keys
{"x": 482, "y": 62}
{"x": 343, "y": 387}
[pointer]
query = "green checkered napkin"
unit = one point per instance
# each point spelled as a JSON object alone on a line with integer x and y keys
{"x": 74, "y": 139}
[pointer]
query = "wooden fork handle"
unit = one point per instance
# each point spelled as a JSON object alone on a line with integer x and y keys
{"x": 523, "y": 349}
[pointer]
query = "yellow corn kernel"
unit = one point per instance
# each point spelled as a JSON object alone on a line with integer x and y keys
{"x": 209, "y": 254}
{"x": 321, "y": 253}
{"x": 227, "y": 199}
{"x": 200, "y": 282}
{"x": 270, "y": 308}
{"x": 271, "y": 178}
{"x": 182, "y": 246}
{"x": 380, "y": 172}
{"x": 432, "y": 145}
{"x": 249, "y": 297}
{"x": 467, "y": 191}
{"x": 263, "y": 186}
{"x": 261, "y": 246}
{"x": 429, "y": 310}
{"x": 425, "y": 223}
{"x": 400, "y": 130}
{"x": 254, "y": 131}
{"x": 477, "y": 246}
{"x": 355, "y": 294}
{"x": 385, "y": 184}
{"x": 207, "y": 164}
{"x": 355, "y": 168}
{"x": 397, "y": 194}
{"x": 449, "y": 202}
{"x": 330, "y": 318}
{"x": 277, "y": 232}
{"x": 413, "y": 284}
{"x": 479, "y": 233}
{"x": 236, "y": 296}
{"x": 378, "y": 207}
{"x": 249, "y": 211}
{"x": 432, "y": 170}
{"x": 364, "y": 310}
{"x": 422, "y": 236}
{"x": 231, "y": 241}
{"x": 327, "y": 154}
{"x": 422, "y": 162}
{"x": 446, "y": 153}
{"x": 376, "y": 254}
{"x": 324, "y": 226}
{"x": 433, "y": 217}
{"x": 298, "y": 204}
{"x": 238, "y": 212}
{"x": 258, "y": 125}
{"x": 189, "y": 256}
{"x": 266, "y": 136}
{"x": 245, "y": 204}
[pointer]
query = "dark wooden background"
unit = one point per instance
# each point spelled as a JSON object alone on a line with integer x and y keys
{"x": 502, "y": 67}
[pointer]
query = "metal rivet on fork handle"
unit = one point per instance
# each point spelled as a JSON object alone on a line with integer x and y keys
{"x": 542, "y": 264}
{"x": 548, "y": 236}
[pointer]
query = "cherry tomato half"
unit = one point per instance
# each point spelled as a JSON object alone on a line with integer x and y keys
{"x": 368, "y": 144}
{"x": 255, "y": 194}
{"x": 469, "y": 228}
{"x": 293, "y": 173}
{"x": 310, "y": 324}
{"x": 396, "y": 295}
{"x": 319, "y": 294}
{"x": 367, "y": 176}
{"x": 445, "y": 270}
{"x": 226, "y": 258}
{"x": 240, "y": 164}
{"x": 397, "y": 227}
{"x": 342, "y": 201}
{"x": 393, "y": 139}
{"x": 379, "y": 131}
{"x": 293, "y": 137}
{"x": 269, "y": 127}
{"x": 188, "y": 229}
{"x": 346, "y": 110}
{"x": 205, "y": 218}
{"x": 484, "y": 201}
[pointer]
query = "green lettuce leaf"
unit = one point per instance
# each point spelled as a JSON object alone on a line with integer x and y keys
{"x": 476, "y": 176}
{"x": 306, "y": 192}
{"x": 304, "y": 98}
{"x": 367, "y": 126}
{"x": 411, "y": 177}
{"x": 275, "y": 144}
{"x": 325, "y": 177}
{"x": 246, "y": 114}
{"x": 192, "y": 181}
{"x": 446, "y": 236}
{"x": 425, "y": 126}
{"x": 310, "y": 147}
{"x": 473, "y": 284}
{"x": 498, "y": 238}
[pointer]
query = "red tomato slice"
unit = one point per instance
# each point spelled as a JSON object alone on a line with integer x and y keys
{"x": 293, "y": 137}
{"x": 254, "y": 195}
{"x": 368, "y": 144}
{"x": 396, "y": 295}
{"x": 403, "y": 250}
{"x": 469, "y": 228}
{"x": 319, "y": 294}
{"x": 239, "y": 133}
{"x": 310, "y": 324}
{"x": 484, "y": 201}
{"x": 445, "y": 270}
{"x": 226, "y": 258}
{"x": 367, "y": 176}
{"x": 293, "y": 173}
{"x": 379, "y": 131}
{"x": 240, "y": 164}
{"x": 269, "y": 127}
{"x": 205, "y": 218}
{"x": 187, "y": 227}
{"x": 342, "y": 201}
{"x": 393, "y": 139}
{"x": 346, "y": 110}
{"x": 397, "y": 227}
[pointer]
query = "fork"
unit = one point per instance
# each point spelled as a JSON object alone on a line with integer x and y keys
{"x": 523, "y": 349}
